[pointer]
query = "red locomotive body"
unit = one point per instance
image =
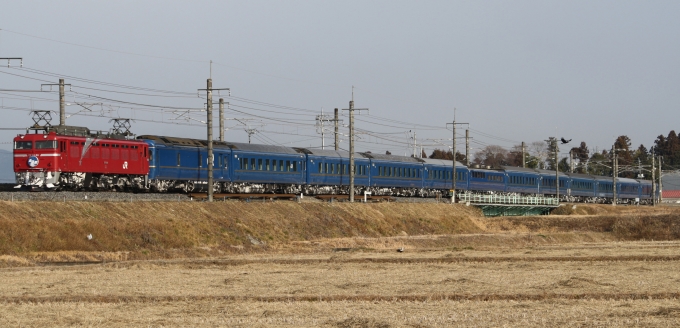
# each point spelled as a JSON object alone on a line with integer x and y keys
{"x": 74, "y": 162}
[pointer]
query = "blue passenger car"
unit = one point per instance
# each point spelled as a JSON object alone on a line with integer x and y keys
{"x": 267, "y": 164}
{"x": 331, "y": 168}
{"x": 581, "y": 186}
{"x": 487, "y": 180}
{"x": 438, "y": 174}
{"x": 547, "y": 186}
{"x": 627, "y": 189}
{"x": 185, "y": 159}
{"x": 522, "y": 180}
{"x": 390, "y": 171}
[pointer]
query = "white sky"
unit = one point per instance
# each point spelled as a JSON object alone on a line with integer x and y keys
{"x": 515, "y": 70}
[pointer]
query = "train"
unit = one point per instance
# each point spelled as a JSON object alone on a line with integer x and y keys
{"x": 80, "y": 160}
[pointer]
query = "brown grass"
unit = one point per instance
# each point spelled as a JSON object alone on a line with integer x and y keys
{"x": 528, "y": 288}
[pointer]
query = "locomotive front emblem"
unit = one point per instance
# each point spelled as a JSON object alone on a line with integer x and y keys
{"x": 125, "y": 165}
{"x": 33, "y": 161}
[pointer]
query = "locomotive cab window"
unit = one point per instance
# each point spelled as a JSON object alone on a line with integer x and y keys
{"x": 47, "y": 144}
{"x": 23, "y": 145}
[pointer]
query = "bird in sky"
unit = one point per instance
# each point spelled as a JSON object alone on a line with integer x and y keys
{"x": 565, "y": 141}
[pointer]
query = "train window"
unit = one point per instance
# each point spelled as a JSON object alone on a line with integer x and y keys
{"x": 345, "y": 168}
{"x": 338, "y": 168}
{"x": 267, "y": 165}
{"x": 326, "y": 170}
{"x": 259, "y": 164}
{"x": 47, "y": 144}
{"x": 287, "y": 169}
{"x": 23, "y": 145}
{"x": 320, "y": 167}
{"x": 252, "y": 164}
{"x": 294, "y": 166}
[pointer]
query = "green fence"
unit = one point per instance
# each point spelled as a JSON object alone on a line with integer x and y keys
{"x": 501, "y": 205}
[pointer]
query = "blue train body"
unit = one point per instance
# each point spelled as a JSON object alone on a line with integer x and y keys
{"x": 179, "y": 163}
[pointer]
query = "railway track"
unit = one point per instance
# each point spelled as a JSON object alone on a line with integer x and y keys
{"x": 339, "y": 198}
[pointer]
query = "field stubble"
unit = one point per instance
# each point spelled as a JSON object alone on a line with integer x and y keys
{"x": 585, "y": 269}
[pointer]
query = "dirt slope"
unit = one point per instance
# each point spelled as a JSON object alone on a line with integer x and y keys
{"x": 168, "y": 229}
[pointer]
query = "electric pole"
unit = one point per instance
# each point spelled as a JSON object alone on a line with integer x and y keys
{"x": 614, "y": 173}
{"x": 660, "y": 179}
{"x": 336, "y": 129}
{"x": 653, "y": 181}
{"x": 62, "y": 100}
{"x": 571, "y": 162}
{"x": 209, "y": 89}
{"x": 524, "y": 159}
{"x": 351, "y": 110}
{"x": 557, "y": 171}
{"x": 467, "y": 148}
{"x": 453, "y": 172}
{"x": 222, "y": 119}
{"x": 320, "y": 119}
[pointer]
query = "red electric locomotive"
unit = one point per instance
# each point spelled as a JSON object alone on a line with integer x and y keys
{"x": 73, "y": 162}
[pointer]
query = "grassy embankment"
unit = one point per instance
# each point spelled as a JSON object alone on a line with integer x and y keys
{"x": 40, "y": 230}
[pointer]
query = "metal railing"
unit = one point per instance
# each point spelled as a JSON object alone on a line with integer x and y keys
{"x": 510, "y": 200}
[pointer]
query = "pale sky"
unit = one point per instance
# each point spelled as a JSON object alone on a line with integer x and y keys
{"x": 515, "y": 70}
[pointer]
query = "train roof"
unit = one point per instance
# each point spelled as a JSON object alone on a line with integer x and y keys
{"x": 328, "y": 153}
{"x": 601, "y": 178}
{"x": 443, "y": 162}
{"x": 580, "y": 175}
{"x": 551, "y": 172}
{"x": 262, "y": 148}
{"x": 519, "y": 169}
{"x": 627, "y": 180}
{"x": 219, "y": 144}
{"x": 393, "y": 158}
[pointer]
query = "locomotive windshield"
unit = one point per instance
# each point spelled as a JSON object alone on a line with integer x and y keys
{"x": 48, "y": 144}
{"x": 23, "y": 144}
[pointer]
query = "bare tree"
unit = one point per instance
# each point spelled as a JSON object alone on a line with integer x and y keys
{"x": 491, "y": 155}
{"x": 539, "y": 150}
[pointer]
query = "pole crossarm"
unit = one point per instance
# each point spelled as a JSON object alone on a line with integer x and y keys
{"x": 9, "y": 59}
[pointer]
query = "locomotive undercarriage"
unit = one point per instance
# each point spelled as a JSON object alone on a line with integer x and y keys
{"x": 100, "y": 182}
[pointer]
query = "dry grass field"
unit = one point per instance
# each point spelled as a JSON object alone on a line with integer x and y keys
{"x": 584, "y": 284}
{"x": 589, "y": 267}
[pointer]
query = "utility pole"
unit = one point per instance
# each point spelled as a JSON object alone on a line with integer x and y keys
{"x": 557, "y": 171}
{"x": 320, "y": 120}
{"x": 415, "y": 143}
{"x": 222, "y": 119}
{"x": 351, "y": 110}
{"x": 62, "y": 100}
{"x": 337, "y": 145}
{"x": 571, "y": 161}
{"x": 453, "y": 172}
{"x": 614, "y": 173}
{"x": 209, "y": 89}
{"x": 660, "y": 179}
{"x": 653, "y": 181}
{"x": 524, "y": 159}
{"x": 467, "y": 147}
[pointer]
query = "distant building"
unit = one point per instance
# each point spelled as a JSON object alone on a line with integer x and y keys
{"x": 671, "y": 187}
